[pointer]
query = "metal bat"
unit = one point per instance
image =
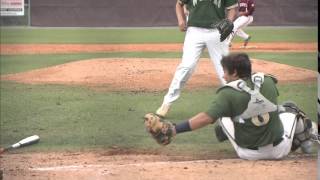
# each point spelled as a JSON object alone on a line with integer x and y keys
{"x": 24, "y": 142}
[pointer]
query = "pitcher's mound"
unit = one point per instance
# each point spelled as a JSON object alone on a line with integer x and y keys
{"x": 143, "y": 74}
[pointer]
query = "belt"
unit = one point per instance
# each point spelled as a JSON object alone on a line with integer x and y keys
{"x": 275, "y": 143}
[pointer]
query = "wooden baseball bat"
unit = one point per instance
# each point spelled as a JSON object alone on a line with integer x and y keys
{"x": 24, "y": 142}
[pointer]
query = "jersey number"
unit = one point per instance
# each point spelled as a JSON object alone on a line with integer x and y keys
{"x": 260, "y": 120}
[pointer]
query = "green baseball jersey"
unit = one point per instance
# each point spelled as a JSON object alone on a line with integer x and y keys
{"x": 206, "y": 13}
{"x": 231, "y": 103}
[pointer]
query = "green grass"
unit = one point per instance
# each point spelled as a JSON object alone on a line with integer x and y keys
{"x": 90, "y": 36}
{"x": 77, "y": 118}
{"x": 303, "y": 60}
{"x": 281, "y": 34}
{"x": 143, "y": 35}
{"x": 20, "y": 63}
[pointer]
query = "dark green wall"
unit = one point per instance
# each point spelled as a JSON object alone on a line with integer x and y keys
{"x": 140, "y": 13}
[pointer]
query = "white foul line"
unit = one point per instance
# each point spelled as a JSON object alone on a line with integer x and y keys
{"x": 77, "y": 167}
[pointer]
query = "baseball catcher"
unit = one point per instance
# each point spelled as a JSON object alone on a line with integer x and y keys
{"x": 248, "y": 116}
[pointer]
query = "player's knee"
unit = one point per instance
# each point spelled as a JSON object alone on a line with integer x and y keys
{"x": 303, "y": 130}
{"x": 220, "y": 134}
{"x": 302, "y": 136}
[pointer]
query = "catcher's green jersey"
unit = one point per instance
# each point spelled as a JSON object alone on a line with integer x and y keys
{"x": 231, "y": 103}
{"x": 206, "y": 13}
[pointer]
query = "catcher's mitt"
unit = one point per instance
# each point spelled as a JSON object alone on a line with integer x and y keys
{"x": 225, "y": 28}
{"x": 161, "y": 130}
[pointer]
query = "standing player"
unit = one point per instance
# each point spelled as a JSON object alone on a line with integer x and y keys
{"x": 204, "y": 20}
{"x": 245, "y": 17}
{"x": 249, "y": 116}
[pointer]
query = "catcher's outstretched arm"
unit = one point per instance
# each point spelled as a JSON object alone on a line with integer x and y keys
{"x": 163, "y": 131}
{"x": 200, "y": 120}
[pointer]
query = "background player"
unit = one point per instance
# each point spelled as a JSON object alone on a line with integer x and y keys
{"x": 245, "y": 17}
{"x": 201, "y": 32}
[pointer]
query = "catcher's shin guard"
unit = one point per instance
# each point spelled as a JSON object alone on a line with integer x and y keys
{"x": 305, "y": 129}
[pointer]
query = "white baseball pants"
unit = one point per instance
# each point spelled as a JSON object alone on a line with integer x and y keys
{"x": 196, "y": 40}
{"x": 269, "y": 151}
{"x": 240, "y": 23}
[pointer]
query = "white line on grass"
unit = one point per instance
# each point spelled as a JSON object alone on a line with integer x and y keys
{"x": 77, "y": 167}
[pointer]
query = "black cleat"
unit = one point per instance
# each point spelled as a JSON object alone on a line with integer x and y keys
{"x": 246, "y": 41}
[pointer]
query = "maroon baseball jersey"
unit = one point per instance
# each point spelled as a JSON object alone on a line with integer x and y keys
{"x": 246, "y": 6}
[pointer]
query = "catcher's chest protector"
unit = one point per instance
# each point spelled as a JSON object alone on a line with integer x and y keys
{"x": 258, "y": 106}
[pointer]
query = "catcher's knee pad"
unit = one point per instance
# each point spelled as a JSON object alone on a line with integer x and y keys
{"x": 304, "y": 128}
{"x": 302, "y": 135}
{"x": 221, "y": 136}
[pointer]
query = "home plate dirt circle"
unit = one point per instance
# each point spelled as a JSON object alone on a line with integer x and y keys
{"x": 99, "y": 165}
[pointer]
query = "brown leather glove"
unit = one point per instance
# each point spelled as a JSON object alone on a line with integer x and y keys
{"x": 225, "y": 28}
{"x": 161, "y": 130}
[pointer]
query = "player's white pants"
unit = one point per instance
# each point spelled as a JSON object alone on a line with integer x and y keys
{"x": 240, "y": 23}
{"x": 269, "y": 151}
{"x": 196, "y": 40}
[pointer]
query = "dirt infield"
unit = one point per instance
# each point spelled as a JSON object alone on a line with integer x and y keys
{"x": 7, "y": 49}
{"x": 97, "y": 165}
{"x": 140, "y": 74}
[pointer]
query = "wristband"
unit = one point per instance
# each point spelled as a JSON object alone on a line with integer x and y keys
{"x": 183, "y": 127}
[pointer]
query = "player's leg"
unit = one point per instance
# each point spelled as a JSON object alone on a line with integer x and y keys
{"x": 237, "y": 24}
{"x": 216, "y": 51}
{"x": 294, "y": 128}
{"x": 227, "y": 126}
{"x": 242, "y": 34}
{"x": 246, "y": 21}
{"x": 305, "y": 132}
{"x": 289, "y": 123}
{"x": 298, "y": 131}
{"x": 265, "y": 152}
{"x": 192, "y": 49}
{"x": 242, "y": 22}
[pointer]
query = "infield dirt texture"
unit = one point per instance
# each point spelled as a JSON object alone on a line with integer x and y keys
{"x": 141, "y": 75}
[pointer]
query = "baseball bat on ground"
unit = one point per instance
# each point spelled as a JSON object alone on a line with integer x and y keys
{"x": 24, "y": 142}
